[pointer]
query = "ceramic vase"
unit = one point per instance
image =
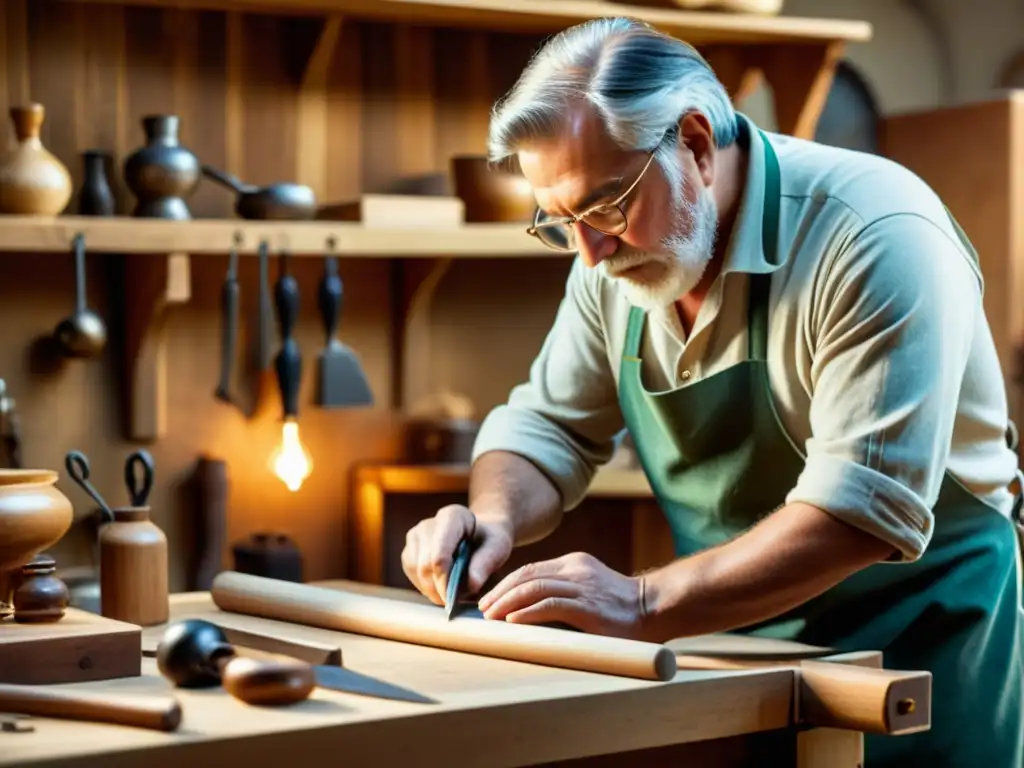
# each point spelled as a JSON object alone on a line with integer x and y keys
{"x": 32, "y": 180}
{"x": 162, "y": 174}
{"x": 34, "y": 515}
{"x": 95, "y": 197}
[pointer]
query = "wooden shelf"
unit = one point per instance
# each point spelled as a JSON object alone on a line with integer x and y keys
{"x": 454, "y": 478}
{"x": 125, "y": 235}
{"x": 544, "y": 16}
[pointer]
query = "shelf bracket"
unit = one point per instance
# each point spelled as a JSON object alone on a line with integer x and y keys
{"x": 735, "y": 68}
{"x": 800, "y": 77}
{"x": 413, "y": 284}
{"x": 313, "y": 97}
{"x": 152, "y": 286}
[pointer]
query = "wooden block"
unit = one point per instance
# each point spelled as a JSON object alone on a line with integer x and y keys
{"x": 80, "y": 647}
{"x": 398, "y": 211}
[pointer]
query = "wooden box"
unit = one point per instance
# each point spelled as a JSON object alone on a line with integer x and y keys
{"x": 80, "y": 647}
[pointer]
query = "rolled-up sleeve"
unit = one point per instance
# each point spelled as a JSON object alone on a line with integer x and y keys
{"x": 894, "y": 318}
{"x": 565, "y": 417}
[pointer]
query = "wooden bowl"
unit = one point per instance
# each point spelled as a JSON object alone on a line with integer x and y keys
{"x": 490, "y": 193}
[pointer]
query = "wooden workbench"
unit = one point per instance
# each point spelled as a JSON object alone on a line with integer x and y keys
{"x": 491, "y": 712}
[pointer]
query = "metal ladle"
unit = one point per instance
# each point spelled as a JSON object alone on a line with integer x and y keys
{"x": 283, "y": 201}
{"x": 83, "y": 334}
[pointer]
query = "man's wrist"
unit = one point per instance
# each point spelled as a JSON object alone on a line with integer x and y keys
{"x": 496, "y": 518}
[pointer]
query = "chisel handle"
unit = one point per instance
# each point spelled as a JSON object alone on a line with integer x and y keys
{"x": 157, "y": 713}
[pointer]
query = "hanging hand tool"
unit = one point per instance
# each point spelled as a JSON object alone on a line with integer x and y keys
{"x": 229, "y": 296}
{"x": 195, "y": 654}
{"x": 341, "y": 380}
{"x": 288, "y": 362}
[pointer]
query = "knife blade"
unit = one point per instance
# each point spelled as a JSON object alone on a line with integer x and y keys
{"x": 350, "y": 681}
{"x": 456, "y": 577}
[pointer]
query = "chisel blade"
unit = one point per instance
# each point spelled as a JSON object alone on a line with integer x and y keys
{"x": 456, "y": 577}
{"x": 348, "y": 681}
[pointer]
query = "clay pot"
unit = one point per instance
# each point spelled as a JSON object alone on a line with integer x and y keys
{"x": 32, "y": 180}
{"x": 163, "y": 174}
{"x": 34, "y": 515}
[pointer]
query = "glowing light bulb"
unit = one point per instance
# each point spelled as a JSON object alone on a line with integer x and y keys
{"x": 290, "y": 461}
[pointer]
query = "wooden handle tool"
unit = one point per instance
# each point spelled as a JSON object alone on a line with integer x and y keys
{"x": 196, "y": 654}
{"x": 849, "y": 696}
{"x": 157, "y": 713}
{"x": 426, "y": 625}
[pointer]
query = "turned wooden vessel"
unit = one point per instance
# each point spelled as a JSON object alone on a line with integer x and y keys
{"x": 34, "y": 515}
{"x": 32, "y": 180}
{"x": 133, "y": 569}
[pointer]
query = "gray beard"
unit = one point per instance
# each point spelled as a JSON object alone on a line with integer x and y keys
{"x": 685, "y": 257}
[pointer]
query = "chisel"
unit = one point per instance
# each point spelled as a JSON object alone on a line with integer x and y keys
{"x": 456, "y": 577}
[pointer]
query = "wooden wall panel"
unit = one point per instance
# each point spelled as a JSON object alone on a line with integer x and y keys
{"x": 398, "y": 100}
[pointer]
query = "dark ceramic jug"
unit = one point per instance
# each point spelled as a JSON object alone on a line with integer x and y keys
{"x": 163, "y": 174}
{"x": 95, "y": 197}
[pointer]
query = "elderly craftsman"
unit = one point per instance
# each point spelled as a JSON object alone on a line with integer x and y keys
{"x": 793, "y": 336}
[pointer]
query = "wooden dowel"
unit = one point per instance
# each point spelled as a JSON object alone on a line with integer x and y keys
{"x": 157, "y": 713}
{"x": 426, "y": 625}
{"x": 849, "y": 696}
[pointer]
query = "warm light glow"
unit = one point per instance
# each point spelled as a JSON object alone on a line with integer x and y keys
{"x": 290, "y": 461}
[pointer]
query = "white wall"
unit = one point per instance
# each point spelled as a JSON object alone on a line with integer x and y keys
{"x": 950, "y": 52}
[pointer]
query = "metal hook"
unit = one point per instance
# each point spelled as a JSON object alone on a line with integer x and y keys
{"x": 77, "y": 466}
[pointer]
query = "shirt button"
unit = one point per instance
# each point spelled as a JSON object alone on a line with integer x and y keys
{"x": 686, "y": 375}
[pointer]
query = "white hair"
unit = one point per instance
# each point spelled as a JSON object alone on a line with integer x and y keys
{"x": 640, "y": 81}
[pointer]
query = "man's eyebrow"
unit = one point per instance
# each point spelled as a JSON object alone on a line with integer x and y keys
{"x": 606, "y": 190}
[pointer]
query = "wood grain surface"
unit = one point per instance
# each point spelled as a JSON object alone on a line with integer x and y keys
{"x": 494, "y": 712}
{"x": 81, "y": 646}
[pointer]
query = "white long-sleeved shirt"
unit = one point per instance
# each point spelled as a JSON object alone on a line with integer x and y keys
{"x": 880, "y": 362}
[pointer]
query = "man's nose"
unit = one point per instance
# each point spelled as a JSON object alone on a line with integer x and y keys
{"x": 594, "y": 246}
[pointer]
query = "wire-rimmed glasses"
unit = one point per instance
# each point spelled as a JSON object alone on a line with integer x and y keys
{"x": 559, "y": 232}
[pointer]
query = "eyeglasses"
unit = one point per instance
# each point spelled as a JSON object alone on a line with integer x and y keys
{"x": 559, "y": 233}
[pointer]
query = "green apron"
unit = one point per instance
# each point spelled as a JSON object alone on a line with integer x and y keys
{"x": 718, "y": 460}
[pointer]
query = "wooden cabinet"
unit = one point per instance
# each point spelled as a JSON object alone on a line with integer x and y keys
{"x": 972, "y": 155}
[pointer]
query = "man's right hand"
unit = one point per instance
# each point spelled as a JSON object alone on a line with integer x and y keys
{"x": 430, "y": 546}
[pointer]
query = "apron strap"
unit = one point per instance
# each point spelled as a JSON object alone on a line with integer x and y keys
{"x": 760, "y": 284}
{"x": 634, "y": 333}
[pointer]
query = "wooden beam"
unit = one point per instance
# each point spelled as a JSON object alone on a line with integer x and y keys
{"x": 543, "y": 16}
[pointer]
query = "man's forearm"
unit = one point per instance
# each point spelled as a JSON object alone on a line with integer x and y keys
{"x": 796, "y": 554}
{"x": 505, "y": 487}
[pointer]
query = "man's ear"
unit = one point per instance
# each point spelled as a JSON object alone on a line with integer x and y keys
{"x": 697, "y": 139}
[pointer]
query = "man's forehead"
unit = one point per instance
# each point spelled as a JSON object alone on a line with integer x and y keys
{"x": 574, "y": 168}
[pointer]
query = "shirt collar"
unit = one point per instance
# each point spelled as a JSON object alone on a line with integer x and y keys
{"x": 744, "y": 252}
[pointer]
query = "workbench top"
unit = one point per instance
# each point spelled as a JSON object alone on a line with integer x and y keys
{"x": 490, "y": 711}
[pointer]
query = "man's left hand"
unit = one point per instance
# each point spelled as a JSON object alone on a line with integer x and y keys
{"x": 575, "y": 589}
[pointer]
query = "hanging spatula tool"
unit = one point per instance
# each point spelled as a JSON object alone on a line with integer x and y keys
{"x": 229, "y": 295}
{"x": 288, "y": 362}
{"x": 197, "y": 654}
{"x": 341, "y": 381}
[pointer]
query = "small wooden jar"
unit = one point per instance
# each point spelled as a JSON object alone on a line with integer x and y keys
{"x": 133, "y": 569}
{"x": 40, "y": 597}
